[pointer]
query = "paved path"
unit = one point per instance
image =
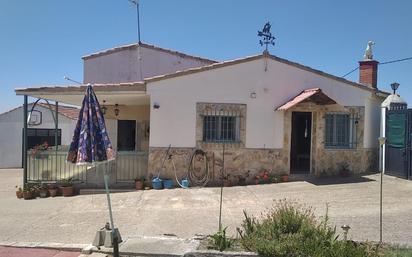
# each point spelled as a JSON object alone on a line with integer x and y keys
{"x": 34, "y": 252}
{"x": 186, "y": 213}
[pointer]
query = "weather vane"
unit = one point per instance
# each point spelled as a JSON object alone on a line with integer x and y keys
{"x": 266, "y": 36}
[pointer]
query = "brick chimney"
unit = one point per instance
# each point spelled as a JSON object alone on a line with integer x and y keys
{"x": 368, "y": 73}
{"x": 368, "y": 68}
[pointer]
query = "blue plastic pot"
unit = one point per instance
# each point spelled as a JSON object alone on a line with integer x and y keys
{"x": 157, "y": 183}
{"x": 167, "y": 183}
{"x": 185, "y": 183}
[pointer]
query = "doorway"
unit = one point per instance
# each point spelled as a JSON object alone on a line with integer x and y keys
{"x": 301, "y": 138}
{"x": 126, "y": 135}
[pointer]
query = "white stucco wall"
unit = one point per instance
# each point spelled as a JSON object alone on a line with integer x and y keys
{"x": 372, "y": 122}
{"x": 174, "y": 122}
{"x": 123, "y": 65}
{"x": 11, "y": 127}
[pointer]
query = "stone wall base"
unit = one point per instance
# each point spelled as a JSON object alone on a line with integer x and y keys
{"x": 242, "y": 165}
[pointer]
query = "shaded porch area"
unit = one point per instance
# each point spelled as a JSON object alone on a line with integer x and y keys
{"x": 127, "y": 116}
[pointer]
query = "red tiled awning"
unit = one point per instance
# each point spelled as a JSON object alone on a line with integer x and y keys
{"x": 308, "y": 95}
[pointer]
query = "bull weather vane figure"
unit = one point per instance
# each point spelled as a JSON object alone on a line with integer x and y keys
{"x": 266, "y": 36}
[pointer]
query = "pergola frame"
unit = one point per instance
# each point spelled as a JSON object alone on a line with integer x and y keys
{"x": 26, "y": 120}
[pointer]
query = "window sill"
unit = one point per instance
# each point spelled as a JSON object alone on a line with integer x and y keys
{"x": 222, "y": 142}
{"x": 328, "y": 148}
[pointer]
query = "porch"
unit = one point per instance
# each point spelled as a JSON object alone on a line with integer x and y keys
{"x": 127, "y": 113}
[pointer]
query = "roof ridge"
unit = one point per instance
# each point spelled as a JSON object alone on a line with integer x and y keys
{"x": 253, "y": 57}
{"x": 119, "y": 48}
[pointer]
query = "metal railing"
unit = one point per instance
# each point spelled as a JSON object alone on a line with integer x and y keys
{"x": 51, "y": 165}
{"x": 131, "y": 165}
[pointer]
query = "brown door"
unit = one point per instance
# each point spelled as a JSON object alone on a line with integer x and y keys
{"x": 301, "y": 142}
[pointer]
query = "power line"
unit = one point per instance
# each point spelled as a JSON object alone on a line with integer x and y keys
{"x": 399, "y": 60}
{"x": 388, "y": 62}
{"x": 350, "y": 72}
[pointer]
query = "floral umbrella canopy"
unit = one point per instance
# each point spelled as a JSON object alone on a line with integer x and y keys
{"x": 90, "y": 141}
{"x": 91, "y": 144}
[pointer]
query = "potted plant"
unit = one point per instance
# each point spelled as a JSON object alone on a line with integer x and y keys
{"x": 274, "y": 178}
{"x": 226, "y": 181}
{"x": 139, "y": 183}
{"x": 27, "y": 192}
{"x": 344, "y": 170}
{"x": 52, "y": 190}
{"x": 242, "y": 178}
{"x": 263, "y": 177}
{"x": 19, "y": 192}
{"x": 285, "y": 177}
{"x": 67, "y": 187}
{"x": 43, "y": 191}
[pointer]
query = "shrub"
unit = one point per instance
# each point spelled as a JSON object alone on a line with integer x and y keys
{"x": 221, "y": 242}
{"x": 292, "y": 230}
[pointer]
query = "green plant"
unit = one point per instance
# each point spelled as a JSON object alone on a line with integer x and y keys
{"x": 344, "y": 170}
{"x": 67, "y": 182}
{"x": 221, "y": 242}
{"x": 141, "y": 178}
{"x": 292, "y": 230}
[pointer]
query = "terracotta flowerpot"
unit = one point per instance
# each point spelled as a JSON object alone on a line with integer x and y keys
{"x": 139, "y": 185}
{"x": 27, "y": 195}
{"x": 285, "y": 178}
{"x": 52, "y": 192}
{"x": 227, "y": 183}
{"x": 67, "y": 191}
{"x": 19, "y": 194}
{"x": 43, "y": 193}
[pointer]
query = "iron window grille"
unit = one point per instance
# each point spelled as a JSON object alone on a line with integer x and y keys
{"x": 221, "y": 127}
{"x": 340, "y": 131}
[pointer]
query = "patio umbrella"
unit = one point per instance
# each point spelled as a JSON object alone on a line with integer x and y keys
{"x": 91, "y": 144}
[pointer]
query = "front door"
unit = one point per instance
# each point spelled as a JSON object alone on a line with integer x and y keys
{"x": 126, "y": 135}
{"x": 301, "y": 142}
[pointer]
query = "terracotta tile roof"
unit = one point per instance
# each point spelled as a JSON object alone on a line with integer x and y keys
{"x": 142, "y": 85}
{"x": 313, "y": 94}
{"x": 131, "y": 46}
{"x": 64, "y": 110}
{"x": 132, "y": 86}
{"x": 255, "y": 57}
{"x": 67, "y": 111}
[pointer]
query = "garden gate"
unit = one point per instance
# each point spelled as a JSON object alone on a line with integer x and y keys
{"x": 398, "y": 154}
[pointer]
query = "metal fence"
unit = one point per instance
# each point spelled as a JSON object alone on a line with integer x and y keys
{"x": 51, "y": 165}
{"x": 130, "y": 165}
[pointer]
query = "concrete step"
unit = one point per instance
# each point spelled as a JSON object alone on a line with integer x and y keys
{"x": 88, "y": 191}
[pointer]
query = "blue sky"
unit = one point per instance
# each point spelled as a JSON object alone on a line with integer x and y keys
{"x": 41, "y": 41}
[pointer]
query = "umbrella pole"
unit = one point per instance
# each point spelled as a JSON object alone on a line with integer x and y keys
{"x": 114, "y": 234}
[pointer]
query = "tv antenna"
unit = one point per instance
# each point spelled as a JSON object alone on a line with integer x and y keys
{"x": 136, "y": 2}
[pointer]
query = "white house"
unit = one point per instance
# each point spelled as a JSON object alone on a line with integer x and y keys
{"x": 40, "y": 129}
{"x": 267, "y": 112}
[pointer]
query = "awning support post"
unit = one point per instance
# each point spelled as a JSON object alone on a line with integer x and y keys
{"x": 56, "y": 131}
{"x": 25, "y": 107}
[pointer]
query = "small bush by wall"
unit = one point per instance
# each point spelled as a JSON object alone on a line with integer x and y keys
{"x": 292, "y": 230}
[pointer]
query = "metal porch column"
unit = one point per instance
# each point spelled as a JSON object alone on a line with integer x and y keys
{"x": 25, "y": 139}
{"x": 56, "y": 131}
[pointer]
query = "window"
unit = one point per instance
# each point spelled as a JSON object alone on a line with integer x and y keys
{"x": 40, "y": 136}
{"x": 340, "y": 131}
{"x": 221, "y": 128}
